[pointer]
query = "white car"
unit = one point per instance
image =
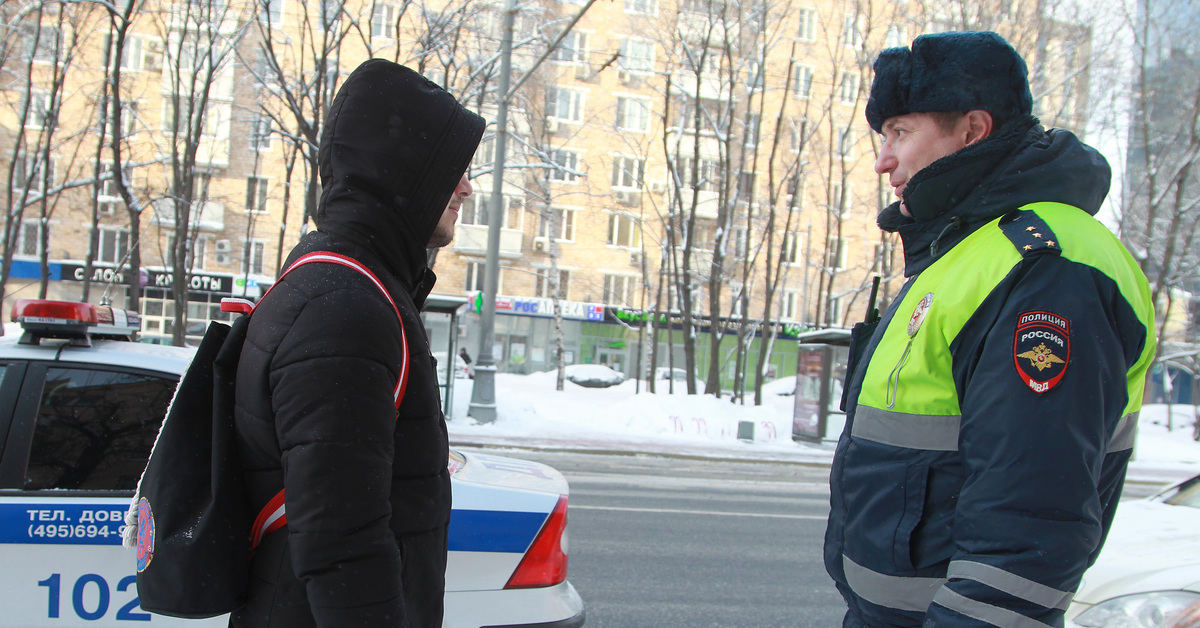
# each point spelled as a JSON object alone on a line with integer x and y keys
{"x": 1148, "y": 574}
{"x": 77, "y": 419}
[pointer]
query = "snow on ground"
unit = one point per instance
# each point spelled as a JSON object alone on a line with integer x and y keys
{"x": 625, "y": 417}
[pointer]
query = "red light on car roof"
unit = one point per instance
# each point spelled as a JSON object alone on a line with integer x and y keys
{"x": 43, "y": 311}
{"x": 545, "y": 564}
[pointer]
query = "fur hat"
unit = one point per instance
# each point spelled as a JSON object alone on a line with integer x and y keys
{"x": 950, "y": 72}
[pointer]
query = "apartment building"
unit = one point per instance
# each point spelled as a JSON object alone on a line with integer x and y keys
{"x": 684, "y": 161}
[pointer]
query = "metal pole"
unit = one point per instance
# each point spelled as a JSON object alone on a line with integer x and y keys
{"x": 483, "y": 394}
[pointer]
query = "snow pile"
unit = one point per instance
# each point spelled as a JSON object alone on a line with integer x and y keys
{"x": 626, "y": 417}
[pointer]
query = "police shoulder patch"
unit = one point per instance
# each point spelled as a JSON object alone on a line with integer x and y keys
{"x": 1042, "y": 349}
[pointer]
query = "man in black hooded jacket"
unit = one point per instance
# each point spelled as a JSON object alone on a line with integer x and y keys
{"x": 991, "y": 412}
{"x": 367, "y": 494}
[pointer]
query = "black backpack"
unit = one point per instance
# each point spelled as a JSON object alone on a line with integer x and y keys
{"x": 195, "y": 531}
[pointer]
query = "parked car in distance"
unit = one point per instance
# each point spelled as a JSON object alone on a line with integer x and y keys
{"x": 593, "y": 375}
{"x": 79, "y": 412}
{"x": 1148, "y": 574}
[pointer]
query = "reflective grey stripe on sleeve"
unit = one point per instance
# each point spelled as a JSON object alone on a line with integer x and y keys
{"x": 985, "y": 613}
{"x": 916, "y": 431}
{"x": 898, "y": 592}
{"x": 1010, "y": 583}
{"x": 1125, "y": 434}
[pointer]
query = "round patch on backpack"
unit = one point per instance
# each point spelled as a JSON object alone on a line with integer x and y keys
{"x": 145, "y": 536}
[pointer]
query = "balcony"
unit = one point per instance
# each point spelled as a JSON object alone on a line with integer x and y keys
{"x": 473, "y": 238}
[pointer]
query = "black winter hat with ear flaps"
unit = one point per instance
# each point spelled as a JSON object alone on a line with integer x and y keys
{"x": 950, "y": 72}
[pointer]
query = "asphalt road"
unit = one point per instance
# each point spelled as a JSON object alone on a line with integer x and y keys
{"x": 663, "y": 542}
{"x": 659, "y": 542}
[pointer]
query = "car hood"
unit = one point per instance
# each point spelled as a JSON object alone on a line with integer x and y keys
{"x": 1151, "y": 547}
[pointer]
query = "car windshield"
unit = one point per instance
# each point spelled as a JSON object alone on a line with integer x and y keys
{"x": 1188, "y": 494}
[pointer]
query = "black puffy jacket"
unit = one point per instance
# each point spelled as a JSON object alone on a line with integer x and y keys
{"x": 367, "y": 491}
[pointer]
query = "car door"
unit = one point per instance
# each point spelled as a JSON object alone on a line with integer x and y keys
{"x": 77, "y": 439}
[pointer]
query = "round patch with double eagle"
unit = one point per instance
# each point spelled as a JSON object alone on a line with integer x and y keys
{"x": 145, "y": 535}
{"x": 1042, "y": 349}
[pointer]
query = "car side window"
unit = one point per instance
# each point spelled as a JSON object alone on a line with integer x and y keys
{"x": 95, "y": 428}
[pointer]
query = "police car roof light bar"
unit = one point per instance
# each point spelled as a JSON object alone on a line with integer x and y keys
{"x": 73, "y": 321}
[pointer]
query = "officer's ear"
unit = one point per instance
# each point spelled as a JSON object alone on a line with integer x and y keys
{"x": 979, "y": 125}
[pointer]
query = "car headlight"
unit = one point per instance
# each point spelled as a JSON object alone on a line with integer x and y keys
{"x": 1144, "y": 610}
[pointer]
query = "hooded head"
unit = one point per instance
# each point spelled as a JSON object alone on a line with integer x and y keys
{"x": 950, "y": 72}
{"x": 393, "y": 150}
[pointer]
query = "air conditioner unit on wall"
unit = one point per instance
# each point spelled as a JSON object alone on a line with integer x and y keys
{"x": 221, "y": 258}
{"x": 635, "y": 258}
{"x": 625, "y": 77}
{"x": 628, "y": 198}
{"x": 539, "y": 245}
{"x": 552, "y": 125}
{"x": 223, "y": 246}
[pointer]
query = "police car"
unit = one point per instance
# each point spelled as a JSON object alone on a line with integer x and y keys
{"x": 80, "y": 407}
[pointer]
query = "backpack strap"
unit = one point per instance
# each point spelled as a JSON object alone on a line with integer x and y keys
{"x": 273, "y": 515}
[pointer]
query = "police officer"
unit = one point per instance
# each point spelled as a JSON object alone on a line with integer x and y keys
{"x": 991, "y": 411}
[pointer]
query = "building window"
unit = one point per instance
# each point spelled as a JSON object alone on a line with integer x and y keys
{"x": 113, "y": 245}
{"x": 572, "y": 49}
{"x": 753, "y": 124}
{"x": 839, "y": 200}
{"x": 802, "y": 80}
{"x": 619, "y": 289}
{"x": 633, "y": 114}
{"x": 707, "y": 180}
{"x": 131, "y": 53}
{"x": 848, "y": 88}
{"x": 624, "y": 231}
{"x": 383, "y": 21}
{"x": 256, "y": 194}
{"x": 260, "y": 132}
{"x": 741, "y": 243}
{"x": 791, "y": 248}
{"x": 46, "y": 46}
{"x": 641, "y": 7}
{"x": 40, "y": 108}
{"x": 29, "y": 239}
{"x": 789, "y": 305}
{"x": 882, "y": 264}
{"x": 845, "y": 142}
{"x": 567, "y": 162}
{"x": 754, "y": 75}
{"x": 851, "y": 31}
{"x": 628, "y": 172}
{"x": 271, "y": 12}
{"x": 895, "y": 37}
{"x": 637, "y": 55}
{"x": 835, "y": 253}
{"x": 544, "y": 287}
{"x": 331, "y": 14}
{"x": 485, "y": 154}
{"x": 31, "y": 172}
{"x": 109, "y": 196}
{"x": 565, "y": 218}
{"x": 475, "y": 276}
{"x": 808, "y": 24}
{"x": 564, "y": 104}
{"x": 799, "y": 129}
{"x": 477, "y": 207}
{"x": 253, "y": 253}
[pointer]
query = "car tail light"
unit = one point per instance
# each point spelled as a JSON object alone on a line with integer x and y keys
{"x": 545, "y": 563}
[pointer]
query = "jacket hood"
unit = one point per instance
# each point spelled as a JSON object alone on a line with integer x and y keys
{"x": 393, "y": 149}
{"x": 1020, "y": 164}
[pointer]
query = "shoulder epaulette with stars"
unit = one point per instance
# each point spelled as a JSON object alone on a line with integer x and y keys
{"x": 1029, "y": 233}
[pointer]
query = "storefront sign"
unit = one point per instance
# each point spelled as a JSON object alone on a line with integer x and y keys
{"x": 534, "y": 306}
{"x": 197, "y": 283}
